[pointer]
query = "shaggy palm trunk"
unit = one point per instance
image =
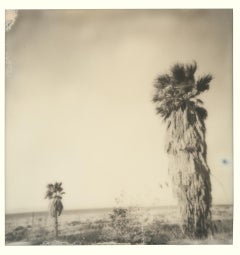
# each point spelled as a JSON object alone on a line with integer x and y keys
{"x": 188, "y": 168}
{"x": 56, "y": 225}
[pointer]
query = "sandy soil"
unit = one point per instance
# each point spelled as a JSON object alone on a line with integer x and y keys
{"x": 148, "y": 226}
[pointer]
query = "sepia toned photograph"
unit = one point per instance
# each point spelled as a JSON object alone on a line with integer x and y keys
{"x": 118, "y": 127}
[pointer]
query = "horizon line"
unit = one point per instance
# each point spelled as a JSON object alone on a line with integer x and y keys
{"x": 107, "y": 207}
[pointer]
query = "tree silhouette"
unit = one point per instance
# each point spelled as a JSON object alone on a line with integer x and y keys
{"x": 177, "y": 103}
{"x": 54, "y": 193}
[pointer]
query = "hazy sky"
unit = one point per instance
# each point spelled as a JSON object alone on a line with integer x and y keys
{"x": 79, "y": 110}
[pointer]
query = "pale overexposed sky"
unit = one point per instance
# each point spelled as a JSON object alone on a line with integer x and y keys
{"x": 78, "y": 103}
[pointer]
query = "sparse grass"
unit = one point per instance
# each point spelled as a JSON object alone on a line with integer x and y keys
{"x": 74, "y": 223}
{"x": 18, "y": 234}
{"x": 161, "y": 233}
{"x": 105, "y": 231}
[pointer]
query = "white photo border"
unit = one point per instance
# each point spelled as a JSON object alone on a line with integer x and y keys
{"x": 126, "y": 4}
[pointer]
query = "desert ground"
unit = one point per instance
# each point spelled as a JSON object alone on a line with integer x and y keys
{"x": 134, "y": 225}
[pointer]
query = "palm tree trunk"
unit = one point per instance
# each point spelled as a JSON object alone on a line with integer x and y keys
{"x": 190, "y": 174}
{"x": 195, "y": 199}
{"x": 56, "y": 226}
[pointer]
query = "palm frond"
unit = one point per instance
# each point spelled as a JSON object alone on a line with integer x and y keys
{"x": 178, "y": 73}
{"x": 163, "y": 112}
{"x": 199, "y": 101}
{"x": 155, "y": 98}
{"x": 57, "y": 187}
{"x": 183, "y": 106}
{"x": 190, "y": 70}
{"x": 201, "y": 112}
{"x": 162, "y": 81}
{"x": 49, "y": 194}
{"x": 203, "y": 83}
{"x": 50, "y": 186}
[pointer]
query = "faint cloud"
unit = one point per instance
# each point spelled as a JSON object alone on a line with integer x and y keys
{"x": 10, "y": 19}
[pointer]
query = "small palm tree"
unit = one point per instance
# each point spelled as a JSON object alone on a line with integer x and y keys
{"x": 54, "y": 193}
{"x": 176, "y": 102}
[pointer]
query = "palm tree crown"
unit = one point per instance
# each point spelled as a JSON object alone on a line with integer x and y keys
{"x": 54, "y": 193}
{"x": 178, "y": 89}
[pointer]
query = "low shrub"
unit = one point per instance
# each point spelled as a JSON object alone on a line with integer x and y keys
{"x": 18, "y": 234}
{"x": 161, "y": 233}
{"x": 74, "y": 223}
{"x": 222, "y": 226}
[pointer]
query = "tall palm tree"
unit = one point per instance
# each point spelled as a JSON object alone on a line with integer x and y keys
{"x": 54, "y": 193}
{"x": 177, "y": 103}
